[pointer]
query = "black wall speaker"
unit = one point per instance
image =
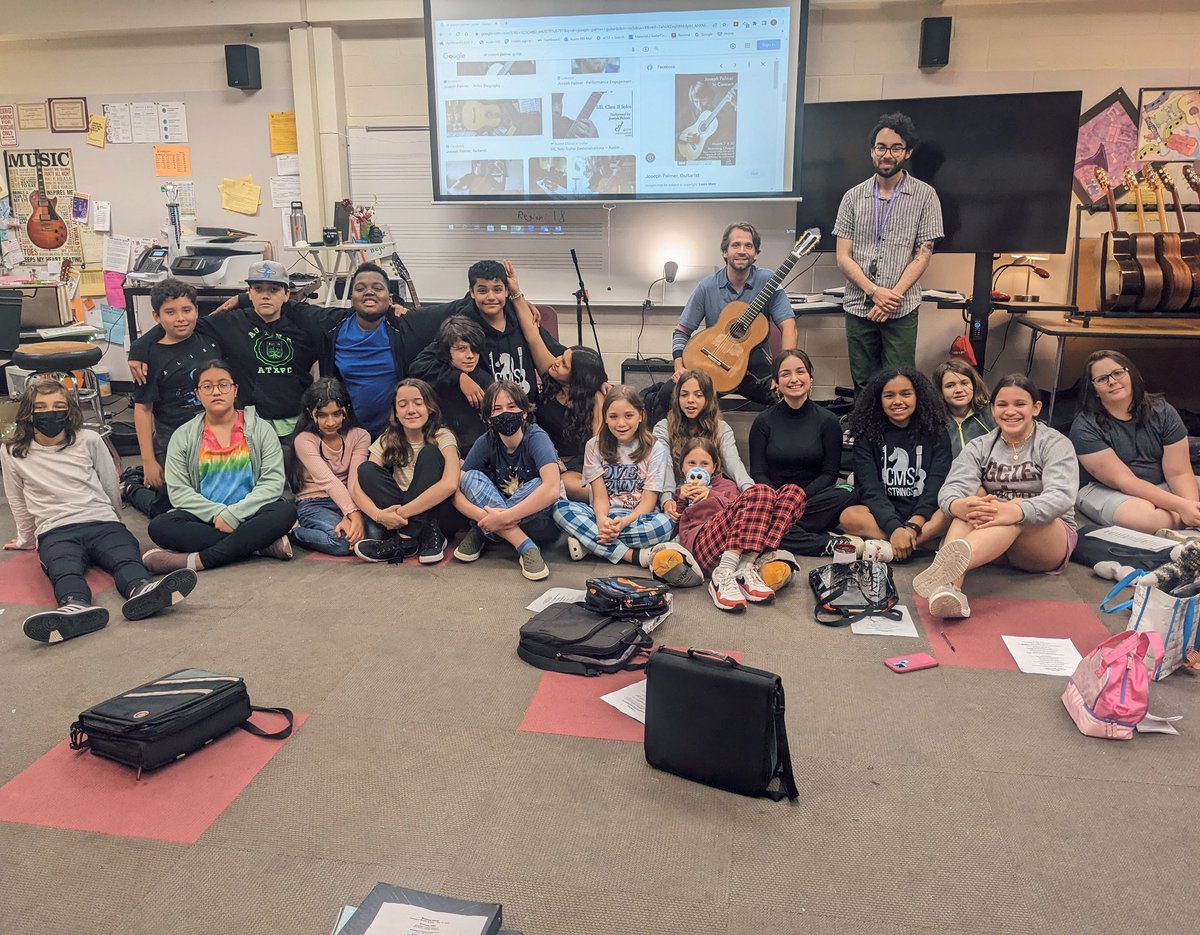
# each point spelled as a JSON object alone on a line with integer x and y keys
{"x": 935, "y": 41}
{"x": 241, "y": 67}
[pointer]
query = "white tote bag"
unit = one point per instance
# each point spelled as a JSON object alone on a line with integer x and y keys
{"x": 1175, "y": 619}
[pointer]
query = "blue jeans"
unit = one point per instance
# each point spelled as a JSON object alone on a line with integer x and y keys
{"x": 318, "y": 520}
{"x": 479, "y": 489}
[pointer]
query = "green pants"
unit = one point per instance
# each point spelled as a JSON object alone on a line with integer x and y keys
{"x": 873, "y": 345}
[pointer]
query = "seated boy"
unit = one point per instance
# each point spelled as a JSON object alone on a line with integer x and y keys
{"x": 459, "y": 388}
{"x": 168, "y": 397}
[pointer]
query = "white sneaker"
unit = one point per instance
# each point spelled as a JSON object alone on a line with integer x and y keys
{"x": 575, "y": 549}
{"x": 950, "y": 564}
{"x": 1178, "y": 535}
{"x": 949, "y": 601}
{"x": 725, "y": 592}
{"x": 753, "y": 587}
{"x": 877, "y": 550}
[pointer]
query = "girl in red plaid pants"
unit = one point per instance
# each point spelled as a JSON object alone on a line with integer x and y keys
{"x": 731, "y": 532}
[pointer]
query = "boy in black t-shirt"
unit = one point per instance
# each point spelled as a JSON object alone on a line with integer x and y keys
{"x": 168, "y": 397}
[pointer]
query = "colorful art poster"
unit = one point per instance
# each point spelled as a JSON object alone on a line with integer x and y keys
{"x": 1169, "y": 124}
{"x": 1107, "y": 140}
{"x": 41, "y": 184}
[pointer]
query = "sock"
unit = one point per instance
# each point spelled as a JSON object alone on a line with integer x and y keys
{"x": 1113, "y": 571}
{"x": 729, "y": 561}
{"x": 192, "y": 560}
{"x": 525, "y": 546}
{"x": 747, "y": 560}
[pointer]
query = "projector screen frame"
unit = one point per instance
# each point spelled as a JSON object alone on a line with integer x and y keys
{"x": 798, "y": 37}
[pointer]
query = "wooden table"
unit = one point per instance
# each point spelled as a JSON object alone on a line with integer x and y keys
{"x": 1062, "y": 330}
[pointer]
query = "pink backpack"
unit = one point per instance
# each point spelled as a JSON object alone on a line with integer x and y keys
{"x": 1110, "y": 691}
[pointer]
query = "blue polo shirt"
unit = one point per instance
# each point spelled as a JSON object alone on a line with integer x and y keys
{"x": 714, "y": 292}
{"x": 368, "y": 370}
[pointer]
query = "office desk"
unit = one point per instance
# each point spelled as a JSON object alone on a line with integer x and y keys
{"x": 1062, "y": 330}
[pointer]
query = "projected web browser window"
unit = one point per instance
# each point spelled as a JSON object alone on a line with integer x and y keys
{"x": 684, "y": 104}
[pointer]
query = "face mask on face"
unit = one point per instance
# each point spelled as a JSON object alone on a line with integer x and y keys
{"x": 508, "y": 423}
{"x": 51, "y": 424}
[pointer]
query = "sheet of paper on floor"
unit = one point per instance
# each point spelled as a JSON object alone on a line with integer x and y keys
{"x": 885, "y": 626}
{"x": 630, "y": 700}
{"x": 1153, "y": 724}
{"x": 556, "y": 596}
{"x": 1131, "y": 537}
{"x": 402, "y": 919}
{"x": 1038, "y": 655}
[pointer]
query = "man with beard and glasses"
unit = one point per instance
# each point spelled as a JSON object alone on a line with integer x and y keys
{"x": 738, "y": 281}
{"x": 885, "y": 231}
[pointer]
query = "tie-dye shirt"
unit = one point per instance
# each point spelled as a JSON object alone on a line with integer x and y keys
{"x": 226, "y": 475}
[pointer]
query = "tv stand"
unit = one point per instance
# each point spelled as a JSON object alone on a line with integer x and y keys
{"x": 979, "y": 311}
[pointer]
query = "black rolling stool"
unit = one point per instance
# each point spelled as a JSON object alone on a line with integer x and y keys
{"x": 65, "y": 361}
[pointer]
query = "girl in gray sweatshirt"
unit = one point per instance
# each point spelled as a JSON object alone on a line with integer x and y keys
{"x": 1009, "y": 493}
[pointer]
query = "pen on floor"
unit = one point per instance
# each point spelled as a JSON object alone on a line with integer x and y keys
{"x": 947, "y": 639}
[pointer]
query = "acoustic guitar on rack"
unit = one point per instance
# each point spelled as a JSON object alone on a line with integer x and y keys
{"x": 1177, "y": 278}
{"x": 723, "y": 350}
{"x": 45, "y": 228}
{"x": 1144, "y": 251}
{"x": 1120, "y": 276}
{"x": 1189, "y": 241}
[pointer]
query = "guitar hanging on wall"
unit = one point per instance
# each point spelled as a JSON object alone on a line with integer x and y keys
{"x": 45, "y": 228}
{"x": 1177, "y": 278}
{"x": 1143, "y": 249}
{"x": 723, "y": 350}
{"x": 1120, "y": 277}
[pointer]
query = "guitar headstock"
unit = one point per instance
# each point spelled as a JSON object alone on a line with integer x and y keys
{"x": 1192, "y": 179}
{"x": 64, "y": 274}
{"x": 1167, "y": 182}
{"x": 807, "y": 243}
{"x": 1131, "y": 182}
{"x": 1150, "y": 177}
{"x": 1102, "y": 180}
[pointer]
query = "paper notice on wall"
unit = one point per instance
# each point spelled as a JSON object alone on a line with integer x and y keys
{"x": 8, "y": 125}
{"x": 172, "y": 119}
{"x": 91, "y": 282}
{"x": 118, "y": 127}
{"x": 185, "y": 191}
{"x": 282, "y": 125}
{"x": 284, "y": 190}
{"x": 172, "y": 161}
{"x": 102, "y": 216}
{"x": 80, "y": 205}
{"x": 288, "y": 164}
{"x": 143, "y": 119}
{"x": 114, "y": 292}
{"x": 112, "y": 318}
{"x": 116, "y": 253}
{"x": 10, "y": 250}
{"x": 240, "y": 195}
{"x": 91, "y": 245}
{"x": 95, "y": 133}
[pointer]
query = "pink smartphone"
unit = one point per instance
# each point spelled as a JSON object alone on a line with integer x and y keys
{"x": 913, "y": 663}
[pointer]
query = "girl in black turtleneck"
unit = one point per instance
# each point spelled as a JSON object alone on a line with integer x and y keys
{"x": 798, "y": 442}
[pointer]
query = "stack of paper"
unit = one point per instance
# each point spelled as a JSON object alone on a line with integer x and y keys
{"x": 395, "y": 910}
{"x": 240, "y": 195}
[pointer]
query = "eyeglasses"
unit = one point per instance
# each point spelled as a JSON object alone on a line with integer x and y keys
{"x": 895, "y": 149}
{"x": 209, "y": 388}
{"x": 1106, "y": 378}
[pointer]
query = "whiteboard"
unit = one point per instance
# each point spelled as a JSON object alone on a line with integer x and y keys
{"x": 621, "y": 248}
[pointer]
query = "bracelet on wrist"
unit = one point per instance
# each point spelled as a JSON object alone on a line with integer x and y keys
{"x": 516, "y": 295}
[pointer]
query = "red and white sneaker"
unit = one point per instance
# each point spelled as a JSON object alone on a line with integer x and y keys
{"x": 753, "y": 587}
{"x": 725, "y": 591}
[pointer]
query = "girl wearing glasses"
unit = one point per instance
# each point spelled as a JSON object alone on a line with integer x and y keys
{"x": 329, "y": 448}
{"x": 1134, "y": 466}
{"x": 224, "y": 475}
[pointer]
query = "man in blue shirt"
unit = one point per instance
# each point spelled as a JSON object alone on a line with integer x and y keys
{"x": 739, "y": 281}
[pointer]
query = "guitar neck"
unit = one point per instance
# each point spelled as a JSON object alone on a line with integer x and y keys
{"x": 766, "y": 292}
{"x": 716, "y": 110}
{"x": 1112, "y": 210}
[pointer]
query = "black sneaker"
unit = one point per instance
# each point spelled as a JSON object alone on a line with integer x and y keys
{"x": 394, "y": 549}
{"x": 431, "y": 544}
{"x": 65, "y": 622}
{"x": 156, "y": 596}
{"x": 471, "y": 546}
{"x": 132, "y": 478}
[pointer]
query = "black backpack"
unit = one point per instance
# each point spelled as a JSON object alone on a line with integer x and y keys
{"x": 621, "y": 596}
{"x": 572, "y": 639}
{"x": 848, "y": 591}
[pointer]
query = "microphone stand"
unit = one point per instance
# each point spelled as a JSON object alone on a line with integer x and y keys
{"x": 581, "y": 302}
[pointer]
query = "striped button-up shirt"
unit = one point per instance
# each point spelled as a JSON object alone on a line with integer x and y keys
{"x": 915, "y": 218}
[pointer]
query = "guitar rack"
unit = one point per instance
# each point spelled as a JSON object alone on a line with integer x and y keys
{"x": 1101, "y": 207}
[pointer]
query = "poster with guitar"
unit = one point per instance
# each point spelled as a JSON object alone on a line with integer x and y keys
{"x": 706, "y": 118}
{"x": 41, "y": 183}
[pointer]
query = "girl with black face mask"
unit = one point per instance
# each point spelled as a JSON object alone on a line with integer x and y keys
{"x": 510, "y": 481}
{"x": 61, "y": 485}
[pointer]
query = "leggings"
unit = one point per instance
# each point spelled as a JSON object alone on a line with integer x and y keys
{"x": 181, "y": 531}
{"x": 379, "y": 484}
{"x": 65, "y": 553}
{"x": 810, "y": 534}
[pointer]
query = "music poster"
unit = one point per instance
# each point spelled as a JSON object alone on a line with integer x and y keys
{"x": 41, "y": 184}
{"x": 1169, "y": 124}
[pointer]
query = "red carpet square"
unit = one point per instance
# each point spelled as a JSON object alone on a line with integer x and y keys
{"x": 22, "y": 581}
{"x": 177, "y": 803}
{"x": 977, "y": 638}
{"x": 571, "y": 705}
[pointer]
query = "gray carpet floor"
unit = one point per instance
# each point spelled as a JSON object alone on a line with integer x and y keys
{"x": 952, "y": 800}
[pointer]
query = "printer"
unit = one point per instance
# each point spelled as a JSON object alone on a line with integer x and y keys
{"x": 216, "y": 258}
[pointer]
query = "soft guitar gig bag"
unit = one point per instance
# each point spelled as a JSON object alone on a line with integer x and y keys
{"x": 161, "y": 721}
{"x": 717, "y": 722}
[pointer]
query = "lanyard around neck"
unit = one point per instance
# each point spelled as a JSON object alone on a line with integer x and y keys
{"x": 881, "y": 226}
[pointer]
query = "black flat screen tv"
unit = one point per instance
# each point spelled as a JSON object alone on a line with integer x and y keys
{"x": 1001, "y": 164}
